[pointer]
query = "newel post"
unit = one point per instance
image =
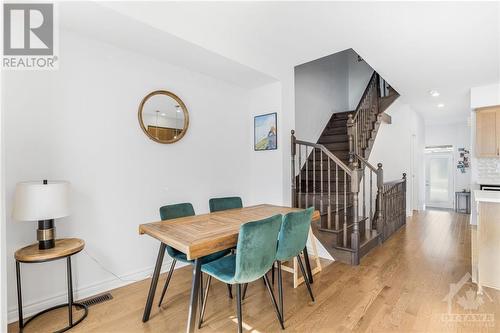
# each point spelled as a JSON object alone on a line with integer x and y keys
{"x": 350, "y": 135}
{"x": 355, "y": 179}
{"x": 293, "y": 153}
{"x": 380, "y": 200}
{"x": 404, "y": 196}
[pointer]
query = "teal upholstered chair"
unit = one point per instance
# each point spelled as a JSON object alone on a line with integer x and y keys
{"x": 255, "y": 255}
{"x": 225, "y": 203}
{"x": 292, "y": 240}
{"x": 218, "y": 204}
{"x": 176, "y": 211}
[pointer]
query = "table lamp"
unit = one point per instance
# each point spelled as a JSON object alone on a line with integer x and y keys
{"x": 42, "y": 201}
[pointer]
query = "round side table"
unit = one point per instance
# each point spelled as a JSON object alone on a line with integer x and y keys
{"x": 64, "y": 248}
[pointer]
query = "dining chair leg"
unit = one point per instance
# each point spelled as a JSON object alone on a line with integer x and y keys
{"x": 308, "y": 266}
{"x": 280, "y": 291}
{"x": 272, "y": 275}
{"x": 245, "y": 286}
{"x": 205, "y": 298}
{"x": 238, "y": 308}
{"x": 154, "y": 283}
{"x": 169, "y": 276}
{"x": 193, "y": 300}
{"x": 273, "y": 299}
{"x": 229, "y": 291}
{"x": 306, "y": 280}
{"x": 201, "y": 291}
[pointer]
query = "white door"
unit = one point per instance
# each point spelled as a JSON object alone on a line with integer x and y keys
{"x": 439, "y": 179}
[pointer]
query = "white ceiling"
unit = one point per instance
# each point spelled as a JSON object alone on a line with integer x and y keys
{"x": 415, "y": 46}
{"x": 105, "y": 24}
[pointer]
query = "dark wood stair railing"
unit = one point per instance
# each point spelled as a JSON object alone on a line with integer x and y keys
{"x": 335, "y": 177}
{"x": 393, "y": 202}
{"x": 303, "y": 155}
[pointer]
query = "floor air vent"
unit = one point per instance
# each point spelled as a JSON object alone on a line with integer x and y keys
{"x": 97, "y": 299}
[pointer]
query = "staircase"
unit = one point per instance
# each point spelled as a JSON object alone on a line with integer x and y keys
{"x": 334, "y": 176}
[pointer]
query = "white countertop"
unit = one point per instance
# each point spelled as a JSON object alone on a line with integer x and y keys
{"x": 487, "y": 196}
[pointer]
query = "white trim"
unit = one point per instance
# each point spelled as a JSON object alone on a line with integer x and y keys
{"x": 86, "y": 291}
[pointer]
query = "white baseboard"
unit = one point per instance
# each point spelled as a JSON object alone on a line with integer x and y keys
{"x": 33, "y": 307}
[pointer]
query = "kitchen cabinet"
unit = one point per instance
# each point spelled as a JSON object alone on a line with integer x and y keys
{"x": 488, "y": 132}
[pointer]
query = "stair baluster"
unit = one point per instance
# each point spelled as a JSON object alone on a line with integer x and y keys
{"x": 345, "y": 210}
{"x": 294, "y": 180}
{"x": 300, "y": 176}
{"x": 321, "y": 181}
{"x": 337, "y": 196}
{"x": 355, "y": 177}
{"x": 306, "y": 157}
{"x": 329, "y": 216}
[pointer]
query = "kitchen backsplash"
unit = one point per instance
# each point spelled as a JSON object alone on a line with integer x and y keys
{"x": 488, "y": 169}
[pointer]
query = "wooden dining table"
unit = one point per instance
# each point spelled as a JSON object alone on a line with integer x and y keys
{"x": 201, "y": 235}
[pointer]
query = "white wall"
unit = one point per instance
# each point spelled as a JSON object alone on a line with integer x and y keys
{"x": 325, "y": 86}
{"x": 321, "y": 89}
{"x": 393, "y": 148}
{"x": 359, "y": 76}
{"x": 80, "y": 124}
{"x": 457, "y": 135}
{"x": 266, "y": 166}
{"x": 482, "y": 96}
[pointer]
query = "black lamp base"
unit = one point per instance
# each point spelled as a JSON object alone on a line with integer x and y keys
{"x": 46, "y": 244}
{"x": 46, "y": 234}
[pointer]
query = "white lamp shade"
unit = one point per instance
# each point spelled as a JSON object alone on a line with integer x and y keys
{"x": 35, "y": 201}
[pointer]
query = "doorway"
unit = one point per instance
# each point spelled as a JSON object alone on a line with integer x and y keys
{"x": 439, "y": 182}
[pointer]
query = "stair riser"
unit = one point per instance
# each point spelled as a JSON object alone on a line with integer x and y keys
{"x": 333, "y": 175}
{"x": 339, "y": 138}
{"x": 338, "y": 146}
{"x": 335, "y": 131}
{"x": 317, "y": 188}
{"x": 343, "y": 155}
{"x": 323, "y": 206}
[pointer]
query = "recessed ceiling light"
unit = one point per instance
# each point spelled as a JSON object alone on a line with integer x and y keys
{"x": 434, "y": 93}
{"x": 163, "y": 114}
{"x": 440, "y": 105}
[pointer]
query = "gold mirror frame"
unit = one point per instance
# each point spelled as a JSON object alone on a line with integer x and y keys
{"x": 181, "y": 104}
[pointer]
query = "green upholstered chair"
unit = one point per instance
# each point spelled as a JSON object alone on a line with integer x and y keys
{"x": 176, "y": 211}
{"x": 292, "y": 240}
{"x": 218, "y": 204}
{"x": 255, "y": 255}
{"x": 225, "y": 203}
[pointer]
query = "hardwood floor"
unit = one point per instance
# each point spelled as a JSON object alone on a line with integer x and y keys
{"x": 399, "y": 287}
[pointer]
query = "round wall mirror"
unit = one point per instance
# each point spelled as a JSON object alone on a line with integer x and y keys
{"x": 163, "y": 116}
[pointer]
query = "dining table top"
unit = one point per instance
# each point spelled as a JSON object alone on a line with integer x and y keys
{"x": 201, "y": 235}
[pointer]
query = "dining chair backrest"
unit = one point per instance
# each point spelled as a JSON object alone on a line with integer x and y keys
{"x": 169, "y": 212}
{"x": 293, "y": 233}
{"x": 256, "y": 248}
{"x": 218, "y": 204}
